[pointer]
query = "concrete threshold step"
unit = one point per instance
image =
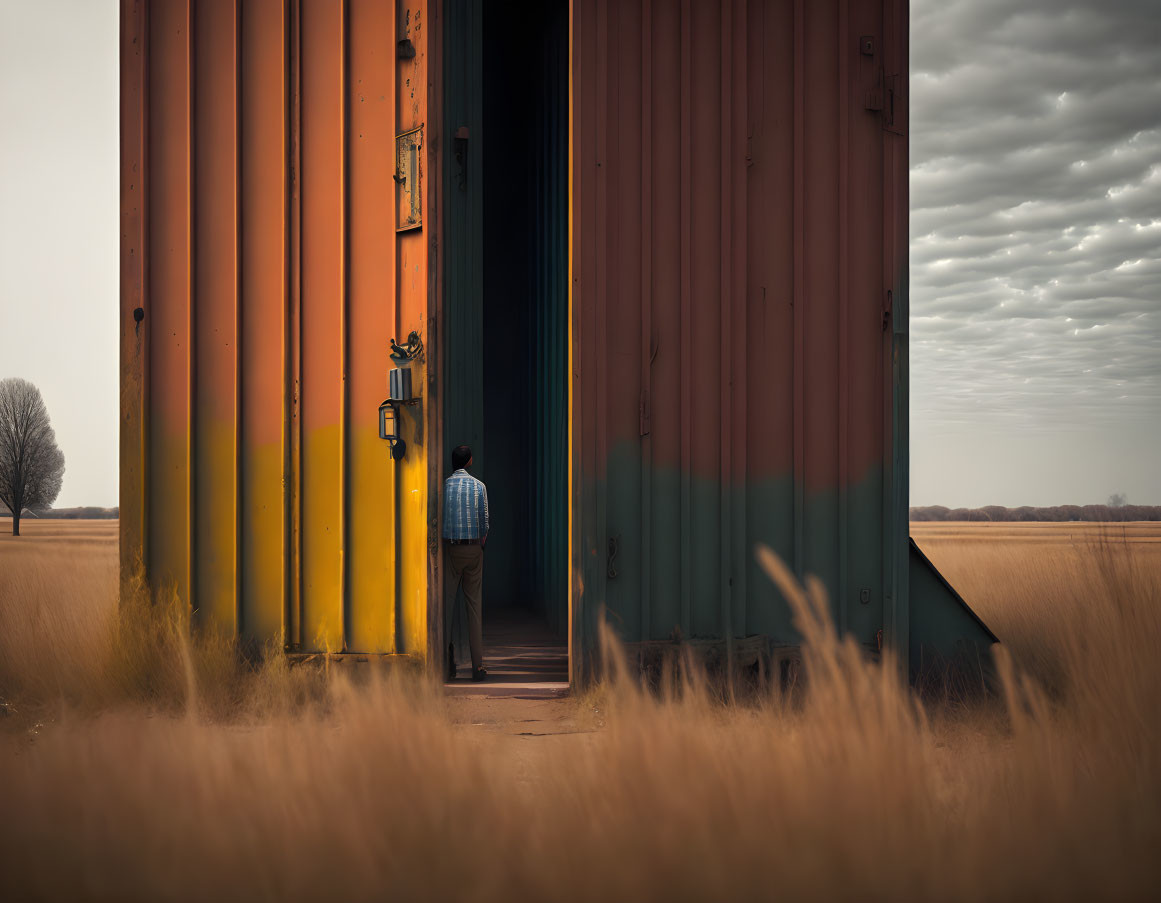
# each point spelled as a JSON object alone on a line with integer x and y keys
{"x": 501, "y": 688}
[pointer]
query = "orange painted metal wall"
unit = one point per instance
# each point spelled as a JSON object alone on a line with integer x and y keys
{"x": 262, "y": 279}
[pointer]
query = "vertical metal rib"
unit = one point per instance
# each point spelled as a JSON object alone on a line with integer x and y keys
{"x": 725, "y": 303}
{"x": 344, "y": 338}
{"x": 294, "y": 333}
{"x": 646, "y": 170}
{"x": 191, "y": 356}
{"x": 799, "y": 279}
{"x": 740, "y": 234}
{"x": 239, "y": 337}
{"x": 599, "y": 341}
{"x": 686, "y": 364}
{"x": 844, "y": 370}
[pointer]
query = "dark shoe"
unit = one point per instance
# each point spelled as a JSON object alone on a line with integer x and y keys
{"x": 479, "y": 675}
{"x": 451, "y": 661}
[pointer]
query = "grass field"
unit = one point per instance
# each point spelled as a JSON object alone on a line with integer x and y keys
{"x": 137, "y": 765}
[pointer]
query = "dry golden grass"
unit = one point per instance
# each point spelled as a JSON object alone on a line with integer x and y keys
{"x": 140, "y": 766}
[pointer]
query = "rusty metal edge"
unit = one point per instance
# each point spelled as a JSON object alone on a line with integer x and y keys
{"x": 726, "y": 313}
{"x": 646, "y": 313}
{"x": 434, "y": 409}
{"x": 134, "y": 275}
{"x": 293, "y": 618}
{"x": 843, "y": 337}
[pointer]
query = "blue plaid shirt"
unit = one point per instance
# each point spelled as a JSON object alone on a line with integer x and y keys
{"x": 465, "y": 507}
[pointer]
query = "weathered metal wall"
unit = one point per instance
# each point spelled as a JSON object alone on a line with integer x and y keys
{"x": 262, "y": 276}
{"x": 737, "y": 346}
{"x": 739, "y": 259}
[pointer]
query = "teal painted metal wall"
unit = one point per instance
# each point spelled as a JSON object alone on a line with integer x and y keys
{"x": 944, "y": 632}
{"x": 506, "y": 69}
{"x": 547, "y": 365}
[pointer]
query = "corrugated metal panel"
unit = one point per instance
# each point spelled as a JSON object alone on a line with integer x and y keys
{"x": 260, "y": 248}
{"x": 134, "y": 333}
{"x": 735, "y": 230}
{"x": 264, "y": 522}
{"x": 548, "y": 337}
{"x": 216, "y": 311}
{"x": 169, "y": 193}
{"x": 372, "y": 538}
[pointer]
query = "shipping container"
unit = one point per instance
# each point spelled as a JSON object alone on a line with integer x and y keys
{"x": 648, "y": 259}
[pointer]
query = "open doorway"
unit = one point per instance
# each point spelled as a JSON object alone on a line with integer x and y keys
{"x": 505, "y": 316}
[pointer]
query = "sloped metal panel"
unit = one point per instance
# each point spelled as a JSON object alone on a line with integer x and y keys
{"x": 944, "y": 631}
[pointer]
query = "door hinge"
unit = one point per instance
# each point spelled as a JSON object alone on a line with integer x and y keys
{"x": 892, "y": 98}
{"x": 885, "y": 97}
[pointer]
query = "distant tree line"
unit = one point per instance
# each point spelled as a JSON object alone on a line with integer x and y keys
{"x": 86, "y": 512}
{"x": 1055, "y": 514}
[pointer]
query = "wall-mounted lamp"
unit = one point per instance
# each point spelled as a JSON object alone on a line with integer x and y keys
{"x": 399, "y": 386}
{"x": 388, "y": 428}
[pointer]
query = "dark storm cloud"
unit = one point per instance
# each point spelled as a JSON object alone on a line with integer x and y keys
{"x": 1036, "y": 214}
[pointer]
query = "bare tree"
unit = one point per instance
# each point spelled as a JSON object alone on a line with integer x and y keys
{"x": 31, "y": 464}
{"x": 1117, "y": 500}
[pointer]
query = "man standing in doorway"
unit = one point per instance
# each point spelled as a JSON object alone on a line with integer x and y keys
{"x": 465, "y": 528}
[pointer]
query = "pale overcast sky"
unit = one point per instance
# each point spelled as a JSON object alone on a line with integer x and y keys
{"x": 58, "y": 226}
{"x": 1035, "y": 258}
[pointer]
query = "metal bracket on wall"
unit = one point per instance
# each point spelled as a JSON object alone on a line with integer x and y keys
{"x": 614, "y": 547}
{"x": 409, "y": 352}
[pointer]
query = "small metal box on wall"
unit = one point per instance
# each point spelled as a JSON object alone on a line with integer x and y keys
{"x": 409, "y": 179}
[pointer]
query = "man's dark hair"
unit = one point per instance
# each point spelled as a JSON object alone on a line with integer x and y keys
{"x": 461, "y": 455}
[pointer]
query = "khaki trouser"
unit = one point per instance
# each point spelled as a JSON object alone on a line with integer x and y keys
{"x": 466, "y": 565}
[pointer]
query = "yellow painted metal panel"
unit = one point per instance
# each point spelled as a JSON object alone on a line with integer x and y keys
{"x": 413, "y": 293}
{"x": 372, "y": 311}
{"x": 215, "y": 298}
{"x": 168, "y": 300}
{"x": 263, "y": 533}
{"x": 323, "y": 321}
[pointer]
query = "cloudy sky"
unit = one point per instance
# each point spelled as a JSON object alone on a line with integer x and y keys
{"x": 1035, "y": 251}
{"x": 1035, "y": 256}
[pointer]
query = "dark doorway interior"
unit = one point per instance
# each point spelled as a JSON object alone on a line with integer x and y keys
{"x": 505, "y": 321}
